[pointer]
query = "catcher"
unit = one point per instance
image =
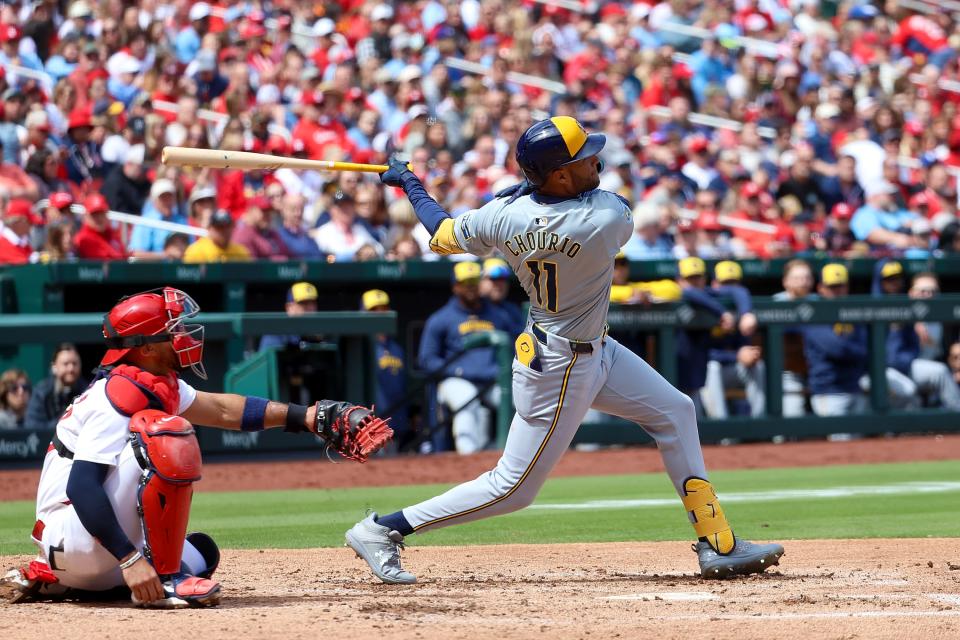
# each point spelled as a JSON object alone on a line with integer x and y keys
{"x": 115, "y": 491}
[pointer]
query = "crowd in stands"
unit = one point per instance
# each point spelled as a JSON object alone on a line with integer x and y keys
{"x": 831, "y": 125}
{"x": 737, "y": 129}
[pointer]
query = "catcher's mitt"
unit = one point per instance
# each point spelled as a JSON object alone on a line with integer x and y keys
{"x": 351, "y": 430}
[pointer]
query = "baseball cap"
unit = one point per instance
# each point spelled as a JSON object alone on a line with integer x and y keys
{"x": 137, "y": 126}
{"x": 750, "y": 190}
{"x": 381, "y": 12}
{"x": 727, "y": 270}
{"x": 496, "y": 268}
{"x": 827, "y": 110}
{"x": 251, "y": 29}
{"x": 879, "y": 187}
{"x": 199, "y": 11}
{"x": 342, "y": 197}
{"x": 96, "y": 203}
{"x": 409, "y": 72}
{"x": 206, "y": 60}
{"x": 417, "y": 110}
{"x": 698, "y": 143}
{"x": 221, "y": 218}
{"x": 302, "y": 292}
{"x": 842, "y": 211}
{"x": 79, "y": 118}
{"x": 79, "y": 9}
{"x": 37, "y": 120}
{"x": 60, "y": 199}
{"x": 323, "y": 27}
{"x": 268, "y": 93}
{"x": 890, "y": 135}
{"x": 691, "y": 266}
{"x": 834, "y": 274}
{"x": 375, "y": 298}
{"x": 18, "y": 207}
{"x": 161, "y": 187}
{"x": 466, "y": 272}
{"x": 863, "y": 12}
{"x": 892, "y": 269}
{"x": 125, "y": 63}
{"x": 709, "y": 221}
{"x": 201, "y": 193}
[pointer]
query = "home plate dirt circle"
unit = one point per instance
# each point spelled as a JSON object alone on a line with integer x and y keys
{"x": 823, "y": 588}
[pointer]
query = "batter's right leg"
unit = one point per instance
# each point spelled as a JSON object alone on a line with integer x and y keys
{"x": 635, "y": 391}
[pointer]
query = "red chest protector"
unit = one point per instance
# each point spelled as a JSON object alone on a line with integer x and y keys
{"x": 131, "y": 389}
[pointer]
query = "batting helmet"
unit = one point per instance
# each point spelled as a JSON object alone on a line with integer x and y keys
{"x": 152, "y": 317}
{"x": 552, "y": 143}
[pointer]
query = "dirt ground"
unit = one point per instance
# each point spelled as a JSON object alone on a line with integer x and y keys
{"x": 822, "y": 589}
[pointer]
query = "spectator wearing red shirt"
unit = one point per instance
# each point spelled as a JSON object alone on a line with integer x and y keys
{"x": 257, "y": 234}
{"x": 753, "y": 204}
{"x": 919, "y": 34}
{"x": 15, "y": 232}
{"x": 97, "y": 239}
{"x": 320, "y": 128}
{"x": 752, "y": 19}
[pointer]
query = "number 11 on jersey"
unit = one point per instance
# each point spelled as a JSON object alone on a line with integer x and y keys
{"x": 545, "y": 282}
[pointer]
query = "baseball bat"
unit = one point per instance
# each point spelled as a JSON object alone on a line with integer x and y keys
{"x": 187, "y": 157}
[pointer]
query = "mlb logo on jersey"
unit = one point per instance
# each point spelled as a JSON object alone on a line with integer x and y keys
{"x": 540, "y": 221}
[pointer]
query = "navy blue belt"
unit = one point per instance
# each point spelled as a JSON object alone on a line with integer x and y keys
{"x": 60, "y": 448}
{"x": 575, "y": 345}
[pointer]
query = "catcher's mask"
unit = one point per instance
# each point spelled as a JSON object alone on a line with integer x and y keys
{"x": 155, "y": 316}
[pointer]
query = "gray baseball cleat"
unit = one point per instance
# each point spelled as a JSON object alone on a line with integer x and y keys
{"x": 380, "y": 547}
{"x": 746, "y": 558}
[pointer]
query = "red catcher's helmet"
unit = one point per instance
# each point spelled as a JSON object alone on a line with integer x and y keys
{"x": 151, "y": 317}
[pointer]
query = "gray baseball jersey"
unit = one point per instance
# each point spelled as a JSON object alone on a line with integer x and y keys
{"x": 562, "y": 254}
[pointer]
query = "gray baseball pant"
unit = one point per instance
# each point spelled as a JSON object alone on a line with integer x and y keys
{"x": 551, "y": 403}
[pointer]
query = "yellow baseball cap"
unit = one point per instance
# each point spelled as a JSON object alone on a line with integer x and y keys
{"x": 834, "y": 274}
{"x": 891, "y": 269}
{"x": 727, "y": 270}
{"x": 465, "y": 271}
{"x": 302, "y": 292}
{"x": 692, "y": 266}
{"x": 375, "y": 298}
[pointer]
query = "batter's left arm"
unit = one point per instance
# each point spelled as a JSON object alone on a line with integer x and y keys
{"x": 431, "y": 215}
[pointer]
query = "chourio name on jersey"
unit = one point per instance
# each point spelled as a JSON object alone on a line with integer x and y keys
{"x": 541, "y": 241}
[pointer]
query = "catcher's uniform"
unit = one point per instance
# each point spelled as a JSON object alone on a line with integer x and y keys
{"x": 563, "y": 253}
{"x": 92, "y": 429}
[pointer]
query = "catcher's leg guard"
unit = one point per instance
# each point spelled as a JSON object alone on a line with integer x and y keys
{"x": 711, "y": 525}
{"x": 168, "y": 453}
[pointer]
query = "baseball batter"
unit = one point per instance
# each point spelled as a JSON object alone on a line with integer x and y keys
{"x": 115, "y": 491}
{"x": 560, "y": 234}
